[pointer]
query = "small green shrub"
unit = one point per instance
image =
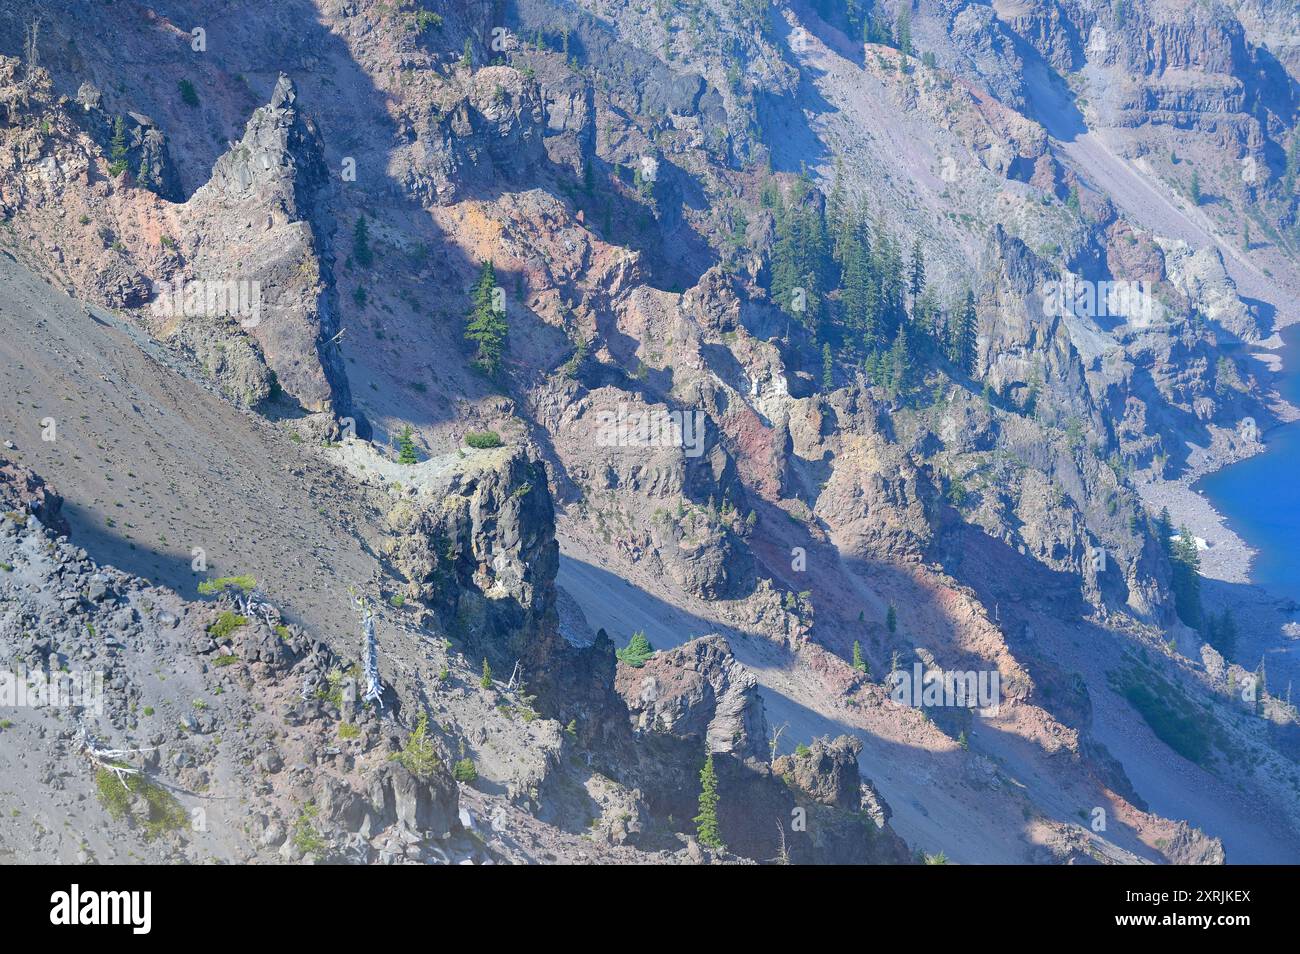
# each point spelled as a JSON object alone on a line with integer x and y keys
{"x": 465, "y": 772}
{"x": 165, "y": 812}
{"x": 211, "y": 587}
{"x": 637, "y": 652}
{"x": 418, "y": 754}
{"x": 226, "y": 624}
{"x": 305, "y": 837}
{"x": 484, "y": 440}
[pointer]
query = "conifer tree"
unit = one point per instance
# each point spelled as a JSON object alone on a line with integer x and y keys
{"x": 406, "y": 447}
{"x": 1187, "y": 579}
{"x": 928, "y": 320}
{"x": 889, "y": 312}
{"x": 858, "y": 294}
{"x": 1221, "y": 633}
{"x": 1292, "y": 165}
{"x": 117, "y": 148}
{"x": 900, "y": 365}
{"x": 859, "y": 663}
{"x": 487, "y": 326}
{"x": 799, "y": 257}
{"x": 1165, "y": 530}
{"x": 486, "y": 681}
{"x": 904, "y": 29}
{"x": 836, "y": 202}
{"x": 361, "y": 253}
{"x": 916, "y": 274}
{"x": 962, "y": 344}
{"x": 706, "y": 822}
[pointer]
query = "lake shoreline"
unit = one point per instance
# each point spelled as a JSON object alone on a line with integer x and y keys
{"x": 1266, "y": 619}
{"x": 1227, "y": 556}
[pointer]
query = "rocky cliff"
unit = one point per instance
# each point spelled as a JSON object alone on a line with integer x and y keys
{"x": 881, "y": 472}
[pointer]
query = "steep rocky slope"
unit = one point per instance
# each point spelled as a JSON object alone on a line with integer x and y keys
{"x": 628, "y": 171}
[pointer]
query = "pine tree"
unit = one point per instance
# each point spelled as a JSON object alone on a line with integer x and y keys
{"x": 916, "y": 275}
{"x": 467, "y": 55}
{"x": 859, "y": 663}
{"x": 904, "y": 29}
{"x": 1260, "y": 687}
{"x": 1165, "y": 531}
{"x": 858, "y": 291}
{"x": 487, "y": 326}
{"x": 836, "y": 203}
{"x": 928, "y": 320}
{"x": 361, "y": 253}
{"x": 1221, "y": 632}
{"x": 406, "y": 447}
{"x": 888, "y": 268}
{"x": 891, "y": 619}
{"x": 900, "y": 365}
{"x": 637, "y": 652}
{"x": 1292, "y": 165}
{"x": 963, "y": 343}
{"x": 1072, "y": 201}
{"x": 486, "y": 681}
{"x": 799, "y": 257}
{"x": 1187, "y": 579}
{"x": 706, "y": 822}
{"x": 828, "y": 368}
{"x": 117, "y": 148}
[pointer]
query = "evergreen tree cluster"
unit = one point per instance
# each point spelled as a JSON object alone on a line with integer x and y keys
{"x": 1220, "y": 630}
{"x": 858, "y": 292}
{"x": 862, "y": 18}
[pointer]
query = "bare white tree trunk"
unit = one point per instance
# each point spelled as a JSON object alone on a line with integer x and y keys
{"x": 32, "y": 57}
{"x": 370, "y": 655}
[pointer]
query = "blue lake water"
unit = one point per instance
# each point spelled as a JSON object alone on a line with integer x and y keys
{"x": 1260, "y": 497}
